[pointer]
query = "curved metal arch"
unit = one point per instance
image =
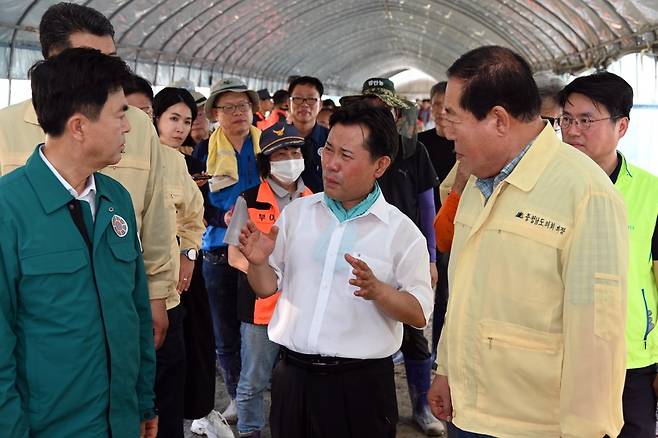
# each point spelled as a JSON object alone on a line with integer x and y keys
{"x": 155, "y": 7}
{"x": 370, "y": 59}
{"x": 12, "y": 43}
{"x": 564, "y": 23}
{"x": 621, "y": 17}
{"x": 229, "y": 30}
{"x": 288, "y": 19}
{"x": 168, "y": 18}
{"x": 365, "y": 38}
{"x": 378, "y": 9}
{"x": 279, "y": 67}
{"x": 544, "y": 21}
{"x": 591, "y": 27}
{"x": 526, "y": 26}
{"x": 526, "y": 47}
{"x": 201, "y": 29}
{"x": 476, "y": 16}
{"x": 298, "y": 43}
{"x": 204, "y": 43}
{"x": 614, "y": 33}
{"x": 428, "y": 65}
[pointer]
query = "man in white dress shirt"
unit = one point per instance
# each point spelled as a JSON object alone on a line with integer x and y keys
{"x": 351, "y": 269}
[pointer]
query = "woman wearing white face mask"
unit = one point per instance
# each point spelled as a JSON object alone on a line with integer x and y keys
{"x": 280, "y": 164}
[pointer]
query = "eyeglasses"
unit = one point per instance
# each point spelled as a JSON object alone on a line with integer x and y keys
{"x": 230, "y": 109}
{"x": 297, "y": 100}
{"x": 582, "y": 123}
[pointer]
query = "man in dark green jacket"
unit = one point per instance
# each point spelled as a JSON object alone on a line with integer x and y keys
{"x": 77, "y": 355}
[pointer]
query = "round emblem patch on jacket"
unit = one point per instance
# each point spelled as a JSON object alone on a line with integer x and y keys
{"x": 119, "y": 225}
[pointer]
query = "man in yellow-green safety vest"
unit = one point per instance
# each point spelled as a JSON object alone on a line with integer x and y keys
{"x": 595, "y": 117}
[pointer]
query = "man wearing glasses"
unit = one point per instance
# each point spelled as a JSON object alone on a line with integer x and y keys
{"x": 231, "y": 159}
{"x": 595, "y": 117}
{"x": 305, "y": 103}
{"x": 531, "y": 345}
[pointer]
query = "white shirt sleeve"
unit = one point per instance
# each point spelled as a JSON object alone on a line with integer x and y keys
{"x": 413, "y": 275}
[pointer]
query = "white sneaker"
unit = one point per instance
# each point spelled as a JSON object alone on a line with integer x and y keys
{"x": 217, "y": 426}
{"x": 200, "y": 426}
{"x": 231, "y": 412}
{"x": 212, "y": 425}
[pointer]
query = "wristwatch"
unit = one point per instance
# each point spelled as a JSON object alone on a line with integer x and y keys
{"x": 191, "y": 253}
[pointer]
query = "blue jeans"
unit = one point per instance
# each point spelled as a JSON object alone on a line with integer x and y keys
{"x": 455, "y": 432}
{"x": 222, "y": 285}
{"x": 258, "y": 355}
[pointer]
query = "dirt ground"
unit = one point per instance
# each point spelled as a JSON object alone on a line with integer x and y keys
{"x": 406, "y": 427}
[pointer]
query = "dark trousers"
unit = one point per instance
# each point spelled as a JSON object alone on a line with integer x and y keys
{"x": 199, "y": 348}
{"x": 639, "y": 403}
{"x": 170, "y": 377}
{"x": 455, "y": 432}
{"x": 440, "y": 299}
{"x": 222, "y": 286}
{"x": 354, "y": 402}
{"x": 414, "y": 344}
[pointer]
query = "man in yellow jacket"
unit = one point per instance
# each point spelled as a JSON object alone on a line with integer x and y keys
{"x": 533, "y": 343}
{"x": 70, "y": 25}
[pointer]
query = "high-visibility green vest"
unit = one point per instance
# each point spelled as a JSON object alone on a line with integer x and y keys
{"x": 639, "y": 189}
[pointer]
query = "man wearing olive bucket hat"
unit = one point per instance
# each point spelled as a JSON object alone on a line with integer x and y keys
{"x": 231, "y": 160}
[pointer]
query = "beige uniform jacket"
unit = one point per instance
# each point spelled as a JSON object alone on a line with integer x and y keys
{"x": 533, "y": 344}
{"x": 138, "y": 171}
{"x": 185, "y": 203}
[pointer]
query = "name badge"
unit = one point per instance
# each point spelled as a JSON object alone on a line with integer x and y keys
{"x": 119, "y": 225}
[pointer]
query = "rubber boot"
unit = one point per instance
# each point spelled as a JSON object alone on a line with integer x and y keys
{"x": 418, "y": 380}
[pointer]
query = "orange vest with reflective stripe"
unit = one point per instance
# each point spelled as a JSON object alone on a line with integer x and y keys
{"x": 263, "y": 211}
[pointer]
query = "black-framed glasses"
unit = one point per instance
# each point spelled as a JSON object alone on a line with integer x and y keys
{"x": 230, "y": 109}
{"x": 298, "y": 100}
{"x": 582, "y": 123}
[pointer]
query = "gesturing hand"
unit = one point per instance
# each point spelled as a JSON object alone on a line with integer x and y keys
{"x": 257, "y": 246}
{"x": 369, "y": 286}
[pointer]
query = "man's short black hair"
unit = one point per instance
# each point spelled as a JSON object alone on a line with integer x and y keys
{"x": 306, "y": 80}
{"x": 494, "y": 75}
{"x": 438, "y": 88}
{"x": 75, "y": 81}
{"x": 137, "y": 84}
{"x": 382, "y": 139}
{"x": 63, "y": 19}
{"x": 170, "y": 96}
{"x": 280, "y": 97}
{"x": 604, "y": 88}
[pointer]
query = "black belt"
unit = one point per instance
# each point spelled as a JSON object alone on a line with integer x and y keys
{"x": 327, "y": 364}
{"x": 220, "y": 250}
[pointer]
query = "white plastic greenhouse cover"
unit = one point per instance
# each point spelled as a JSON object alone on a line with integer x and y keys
{"x": 342, "y": 42}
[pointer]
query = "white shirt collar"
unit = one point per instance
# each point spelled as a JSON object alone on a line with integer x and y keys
{"x": 88, "y": 193}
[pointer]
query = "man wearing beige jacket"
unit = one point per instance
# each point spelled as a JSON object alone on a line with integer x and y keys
{"x": 533, "y": 342}
{"x": 70, "y": 25}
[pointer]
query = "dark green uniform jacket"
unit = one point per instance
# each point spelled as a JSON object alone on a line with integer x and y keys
{"x": 76, "y": 342}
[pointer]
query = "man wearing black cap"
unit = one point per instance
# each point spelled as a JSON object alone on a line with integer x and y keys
{"x": 280, "y": 164}
{"x": 408, "y": 184}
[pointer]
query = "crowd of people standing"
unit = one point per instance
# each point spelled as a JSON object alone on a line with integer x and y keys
{"x": 150, "y": 240}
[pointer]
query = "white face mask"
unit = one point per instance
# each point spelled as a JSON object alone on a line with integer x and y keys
{"x": 287, "y": 171}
